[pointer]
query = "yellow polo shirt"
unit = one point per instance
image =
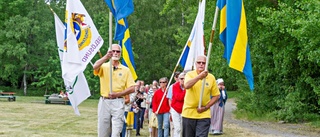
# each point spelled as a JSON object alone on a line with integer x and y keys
{"x": 121, "y": 79}
{"x": 192, "y": 97}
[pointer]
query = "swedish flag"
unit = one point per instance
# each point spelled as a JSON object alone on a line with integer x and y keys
{"x": 127, "y": 54}
{"x": 120, "y": 10}
{"x": 233, "y": 34}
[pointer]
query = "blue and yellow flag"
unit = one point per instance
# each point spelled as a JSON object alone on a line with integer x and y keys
{"x": 195, "y": 44}
{"x": 127, "y": 54}
{"x": 233, "y": 34}
{"x": 120, "y": 10}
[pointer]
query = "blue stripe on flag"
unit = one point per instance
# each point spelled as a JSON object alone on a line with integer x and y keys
{"x": 120, "y": 10}
{"x": 184, "y": 57}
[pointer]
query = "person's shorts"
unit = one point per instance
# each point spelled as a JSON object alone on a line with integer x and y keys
{"x": 153, "y": 121}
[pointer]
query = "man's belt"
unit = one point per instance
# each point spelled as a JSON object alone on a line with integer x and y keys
{"x": 111, "y": 98}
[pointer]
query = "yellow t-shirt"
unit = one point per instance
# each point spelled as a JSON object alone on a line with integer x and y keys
{"x": 192, "y": 97}
{"x": 121, "y": 79}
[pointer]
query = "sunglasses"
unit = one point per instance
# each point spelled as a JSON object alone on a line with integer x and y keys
{"x": 162, "y": 82}
{"x": 200, "y": 62}
{"x": 118, "y": 51}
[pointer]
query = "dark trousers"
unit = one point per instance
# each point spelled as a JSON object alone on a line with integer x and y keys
{"x": 142, "y": 110}
{"x": 137, "y": 117}
{"x": 195, "y": 127}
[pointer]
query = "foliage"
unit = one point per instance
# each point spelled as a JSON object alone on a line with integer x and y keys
{"x": 285, "y": 60}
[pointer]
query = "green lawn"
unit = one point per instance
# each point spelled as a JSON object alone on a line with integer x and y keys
{"x": 31, "y": 117}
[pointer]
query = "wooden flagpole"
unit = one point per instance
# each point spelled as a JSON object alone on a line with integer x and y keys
{"x": 209, "y": 51}
{"x": 110, "y": 47}
{"x": 174, "y": 70}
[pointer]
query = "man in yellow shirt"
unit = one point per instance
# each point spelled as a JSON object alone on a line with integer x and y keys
{"x": 196, "y": 121}
{"x": 111, "y": 104}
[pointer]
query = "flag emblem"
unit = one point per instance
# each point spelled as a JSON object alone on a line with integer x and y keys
{"x": 81, "y": 30}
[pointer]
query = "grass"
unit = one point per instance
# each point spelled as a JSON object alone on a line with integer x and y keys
{"x": 233, "y": 94}
{"x": 31, "y": 117}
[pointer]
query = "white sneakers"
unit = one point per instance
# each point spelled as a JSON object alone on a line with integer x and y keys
{"x": 215, "y": 132}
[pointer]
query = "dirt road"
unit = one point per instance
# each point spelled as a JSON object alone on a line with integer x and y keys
{"x": 265, "y": 129}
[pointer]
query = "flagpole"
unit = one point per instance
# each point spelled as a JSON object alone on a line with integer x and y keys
{"x": 209, "y": 51}
{"x": 174, "y": 70}
{"x": 110, "y": 45}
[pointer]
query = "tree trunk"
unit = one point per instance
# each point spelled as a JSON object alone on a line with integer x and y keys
{"x": 46, "y": 90}
{"x": 25, "y": 81}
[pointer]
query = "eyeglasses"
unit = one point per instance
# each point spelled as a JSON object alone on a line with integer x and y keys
{"x": 181, "y": 78}
{"x": 118, "y": 51}
{"x": 162, "y": 82}
{"x": 200, "y": 62}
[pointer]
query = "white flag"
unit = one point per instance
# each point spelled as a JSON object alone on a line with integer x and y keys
{"x": 80, "y": 90}
{"x": 83, "y": 40}
{"x": 195, "y": 43}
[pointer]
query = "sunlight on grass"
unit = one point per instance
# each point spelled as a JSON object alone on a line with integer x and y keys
{"x": 30, "y": 116}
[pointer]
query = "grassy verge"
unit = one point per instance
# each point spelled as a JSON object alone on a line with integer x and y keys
{"x": 30, "y": 116}
{"x": 266, "y": 117}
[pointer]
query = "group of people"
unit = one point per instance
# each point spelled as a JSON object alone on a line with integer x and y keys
{"x": 194, "y": 104}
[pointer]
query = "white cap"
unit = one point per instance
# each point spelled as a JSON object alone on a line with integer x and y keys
{"x": 219, "y": 80}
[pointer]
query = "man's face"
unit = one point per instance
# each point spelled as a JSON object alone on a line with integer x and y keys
{"x": 201, "y": 63}
{"x": 163, "y": 83}
{"x": 176, "y": 78}
{"x": 155, "y": 83}
{"x": 116, "y": 52}
{"x": 154, "y": 88}
{"x": 181, "y": 80}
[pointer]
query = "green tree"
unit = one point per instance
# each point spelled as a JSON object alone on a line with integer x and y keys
{"x": 284, "y": 60}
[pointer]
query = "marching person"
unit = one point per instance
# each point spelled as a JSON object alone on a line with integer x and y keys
{"x": 178, "y": 93}
{"x": 169, "y": 96}
{"x": 195, "y": 120}
{"x": 111, "y": 104}
{"x": 218, "y": 109}
{"x": 164, "y": 111}
{"x": 153, "y": 121}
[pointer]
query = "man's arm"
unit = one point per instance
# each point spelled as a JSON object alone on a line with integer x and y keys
{"x": 194, "y": 80}
{"x": 169, "y": 95}
{"x": 127, "y": 99}
{"x": 213, "y": 100}
{"x": 98, "y": 63}
{"x": 122, "y": 93}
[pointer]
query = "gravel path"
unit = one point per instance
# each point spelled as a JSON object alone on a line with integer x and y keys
{"x": 268, "y": 129}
